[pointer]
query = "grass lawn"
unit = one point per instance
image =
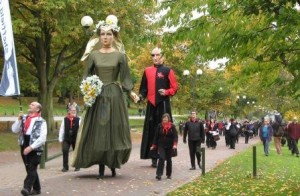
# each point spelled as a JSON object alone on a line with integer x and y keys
{"x": 276, "y": 175}
{"x": 8, "y": 141}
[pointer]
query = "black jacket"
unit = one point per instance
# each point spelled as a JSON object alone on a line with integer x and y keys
{"x": 165, "y": 140}
{"x": 194, "y": 130}
{"x": 71, "y": 133}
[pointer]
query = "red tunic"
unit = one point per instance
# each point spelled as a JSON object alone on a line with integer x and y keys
{"x": 155, "y": 78}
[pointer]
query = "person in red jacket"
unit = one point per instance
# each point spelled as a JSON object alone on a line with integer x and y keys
{"x": 293, "y": 131}
{"x": 158, "y": 84}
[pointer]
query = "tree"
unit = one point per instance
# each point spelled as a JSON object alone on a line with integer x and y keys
{"x": 50, "y": 40}
{"x": 260, "y": 36}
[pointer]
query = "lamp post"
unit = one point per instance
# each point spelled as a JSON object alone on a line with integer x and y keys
{"x": 186, "y": 73}
{"x": 86, "y": 22}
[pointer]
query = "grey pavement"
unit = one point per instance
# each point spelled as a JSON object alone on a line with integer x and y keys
{"x": 136, "y": 177}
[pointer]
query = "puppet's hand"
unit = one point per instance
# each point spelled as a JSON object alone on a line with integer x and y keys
{"x": 134, "y": 97}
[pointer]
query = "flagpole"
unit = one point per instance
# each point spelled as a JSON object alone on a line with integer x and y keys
{"x": 20, "y": 104}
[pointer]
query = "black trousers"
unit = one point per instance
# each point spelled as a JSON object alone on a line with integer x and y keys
{"x": 227, "y": 138}
{"x": 247, "y": 135}
{"x": 65, "y": 149}
{"x": 31, "y": 162}
{"x": 232, "y": 141}
{"x": 294, "y": 144}
{"x": 195, "y": 150}
{"x": 208, "y": 139}
{"x": 165, "y": 154}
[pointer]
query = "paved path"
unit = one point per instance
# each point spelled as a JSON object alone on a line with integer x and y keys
{"x": 134, "y": 178}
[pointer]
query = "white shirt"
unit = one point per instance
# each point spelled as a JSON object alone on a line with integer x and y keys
{"x": 17, "y": 127}
{"x": 62, "y": 130}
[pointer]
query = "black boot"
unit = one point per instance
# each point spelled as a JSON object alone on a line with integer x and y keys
{"x": 101, "y": 171}
{"x": 113, "y": 172}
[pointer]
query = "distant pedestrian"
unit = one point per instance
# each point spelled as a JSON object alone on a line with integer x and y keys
{"x": 232, "y": 131}
{"x": 32, "y": 129}
{"x": 68, "y": 134}
{"x": 278, "y": 132}
{"x": 181, "y": 127}
{"x": 194, "y": 129}
{"x": 165, "y": 141}
{"x": 265, "y": 134}
{"x": 293, "y": 131}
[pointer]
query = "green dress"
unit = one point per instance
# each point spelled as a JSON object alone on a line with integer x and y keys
{"x": 104, "y": 133}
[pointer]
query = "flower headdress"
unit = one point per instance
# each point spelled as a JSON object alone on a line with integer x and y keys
{"x": 111, "y": 22}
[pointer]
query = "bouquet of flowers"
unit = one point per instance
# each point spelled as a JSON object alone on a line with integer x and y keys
{"x": 90, "y": 88}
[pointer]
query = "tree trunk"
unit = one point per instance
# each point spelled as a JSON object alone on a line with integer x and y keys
{"x": 47, "y": 104}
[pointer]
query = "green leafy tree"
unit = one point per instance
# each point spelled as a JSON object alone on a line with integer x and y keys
{"x": 260, "y": 36}
{"x": 50, "y": 40}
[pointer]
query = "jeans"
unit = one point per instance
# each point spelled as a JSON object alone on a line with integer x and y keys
{"x": 266, "y": 146}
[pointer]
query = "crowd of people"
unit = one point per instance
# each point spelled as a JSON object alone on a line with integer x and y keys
{"x": 269, "y": 128}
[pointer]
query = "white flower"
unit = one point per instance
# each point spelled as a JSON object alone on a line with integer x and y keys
{"x": 111, "y": 20}
{"x": 90, "y": 88}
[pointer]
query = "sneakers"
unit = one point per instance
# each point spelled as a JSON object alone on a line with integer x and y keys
{"x": 169, "y": 177}
{"x": 35, "y": 192}
{"x": 64, "y": 170}
{"x": 158, "y": 177}
{"x": 192, "y": 168}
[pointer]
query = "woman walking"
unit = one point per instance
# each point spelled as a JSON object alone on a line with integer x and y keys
{"x": 165, "y": 140}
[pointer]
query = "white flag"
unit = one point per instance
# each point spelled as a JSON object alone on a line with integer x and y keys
{"x": 10, "y": 80}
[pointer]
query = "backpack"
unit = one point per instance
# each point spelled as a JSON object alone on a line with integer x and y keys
{"x": 233, "y": 130}
{"x": 279, "y": 132}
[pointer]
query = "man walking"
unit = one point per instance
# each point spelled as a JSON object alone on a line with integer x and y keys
{"x": 194, "y": 129}
{"x": 293, "y": 131}
{"x": 67, "y": 135}
{"x": 33, "y": 134}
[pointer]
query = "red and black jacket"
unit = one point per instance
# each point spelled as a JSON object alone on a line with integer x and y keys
{"x": 158, "y": 77}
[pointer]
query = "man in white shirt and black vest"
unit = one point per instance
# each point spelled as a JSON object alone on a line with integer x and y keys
{"x": 32, "y": 129}
{"x": 68, "y": 134}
